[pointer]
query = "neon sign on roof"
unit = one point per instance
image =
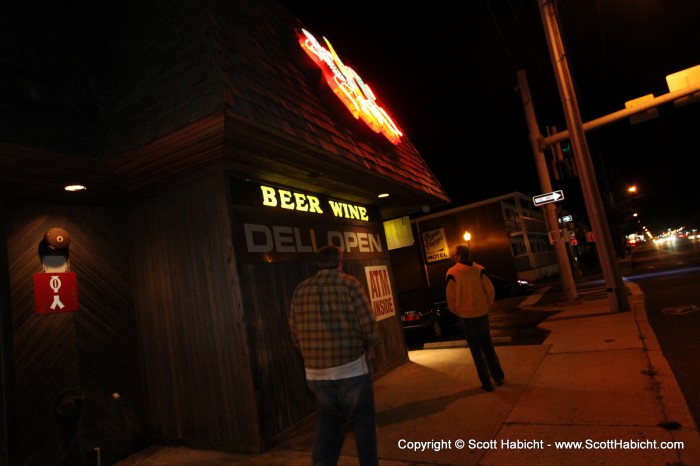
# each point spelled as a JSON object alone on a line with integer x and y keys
{"x": 349, "y": 87}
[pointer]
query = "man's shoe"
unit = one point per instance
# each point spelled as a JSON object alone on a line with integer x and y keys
{"x": 487, "y": 389}
{"x": 499, "y": 382}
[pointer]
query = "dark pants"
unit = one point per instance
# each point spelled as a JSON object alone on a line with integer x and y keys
{"x": 340, "y": 403}
{"x": 477, "y": 331}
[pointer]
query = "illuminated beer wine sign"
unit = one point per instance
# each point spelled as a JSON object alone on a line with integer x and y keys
{"x": 349, "y": 87}
{"x": 301, "y": 202}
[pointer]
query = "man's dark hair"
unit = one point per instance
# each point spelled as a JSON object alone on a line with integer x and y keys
{"x": 463, "y": 254}
{"x": 329, "y": 257}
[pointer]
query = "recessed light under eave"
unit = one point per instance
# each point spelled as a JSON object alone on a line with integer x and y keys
{"x": 75, "y": 187}
{"x": 383, "y": 195}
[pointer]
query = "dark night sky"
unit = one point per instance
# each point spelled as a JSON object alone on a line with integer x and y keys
{"x": 446, "y": 72}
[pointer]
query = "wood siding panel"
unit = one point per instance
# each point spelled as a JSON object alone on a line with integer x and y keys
{"x": 7, "y": 401}
{"x": 279, "y": 376}
{"x": 93, "y": 351}
{"x": 195, "y": 351}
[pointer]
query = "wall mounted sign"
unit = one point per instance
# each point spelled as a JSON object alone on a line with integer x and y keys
{"x": 302, "y": 202}
{"x": 380, "y": 293}
{"x": 435, "y": 245}
{"x": 276, "y": 224}
{"x": 298, "y": 203}
{"x": 55, "y": 292}
{"x": 349, "y": 87}
{"x": 275, "y": 238}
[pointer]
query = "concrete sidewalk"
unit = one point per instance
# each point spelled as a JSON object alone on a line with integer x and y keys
{"x": 599, "y": 381}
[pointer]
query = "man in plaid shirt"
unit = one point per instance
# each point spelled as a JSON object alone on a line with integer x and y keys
{"x": 333, "y": 326}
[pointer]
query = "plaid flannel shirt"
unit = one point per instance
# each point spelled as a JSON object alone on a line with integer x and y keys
{"x": 331, "y": 320}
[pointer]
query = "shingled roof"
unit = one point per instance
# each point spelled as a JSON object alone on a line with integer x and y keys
{"x": 163, "y": 87}
{"x": 268, "y": 78}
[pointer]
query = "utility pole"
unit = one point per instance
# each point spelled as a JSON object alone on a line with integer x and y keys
{"x": 584, "y": 165}
{"x": 565, "y": 273}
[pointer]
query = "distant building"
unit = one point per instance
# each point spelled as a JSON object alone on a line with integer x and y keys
{"x": 508, "y": 235}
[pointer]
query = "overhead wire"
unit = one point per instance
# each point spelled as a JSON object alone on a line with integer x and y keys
{"x": 500, "y": 35}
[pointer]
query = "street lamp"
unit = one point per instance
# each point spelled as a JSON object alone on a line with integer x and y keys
{"x": 623, "y": 217}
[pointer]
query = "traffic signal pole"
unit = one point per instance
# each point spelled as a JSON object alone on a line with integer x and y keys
{"x": 594, "y": 205}
{"x": 671, "y": 97}
{"x": 565, "y": 273}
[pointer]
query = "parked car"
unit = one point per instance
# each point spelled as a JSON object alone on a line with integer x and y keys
{"x": 426, "y": 309}
{"x": 507, "y": 288}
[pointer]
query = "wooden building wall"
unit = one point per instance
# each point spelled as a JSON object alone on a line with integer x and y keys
{"x": 219, "y": 365}
{"x": 196, "y": 357}
{"x": 284, "y": 399}
{"x": 6, "y": 361}
{"x": 82, "y": 357}
{"x": 195, "y": 343}
{"x": 163, "y": 319}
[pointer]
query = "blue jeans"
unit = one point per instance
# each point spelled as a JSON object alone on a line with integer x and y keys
{"x": 477, "y": 331}
{"x": 340, "y": 403}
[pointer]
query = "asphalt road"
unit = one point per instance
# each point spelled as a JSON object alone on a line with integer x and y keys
{"x": 669, "y": 275}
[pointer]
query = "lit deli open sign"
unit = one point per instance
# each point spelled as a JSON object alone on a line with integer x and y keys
{"x": 349, "y": 87}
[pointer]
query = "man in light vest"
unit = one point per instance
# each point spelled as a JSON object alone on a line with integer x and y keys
{"x": 470, "y": 294}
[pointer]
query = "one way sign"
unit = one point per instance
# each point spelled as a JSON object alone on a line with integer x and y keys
{"x": 554, "y": 196}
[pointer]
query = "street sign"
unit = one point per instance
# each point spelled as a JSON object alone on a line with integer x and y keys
{"x": 566, "y": 219}
{"x": 554, "y": 196}
{"x": 646, "y": 114}
{"x": 682, "y": 80}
